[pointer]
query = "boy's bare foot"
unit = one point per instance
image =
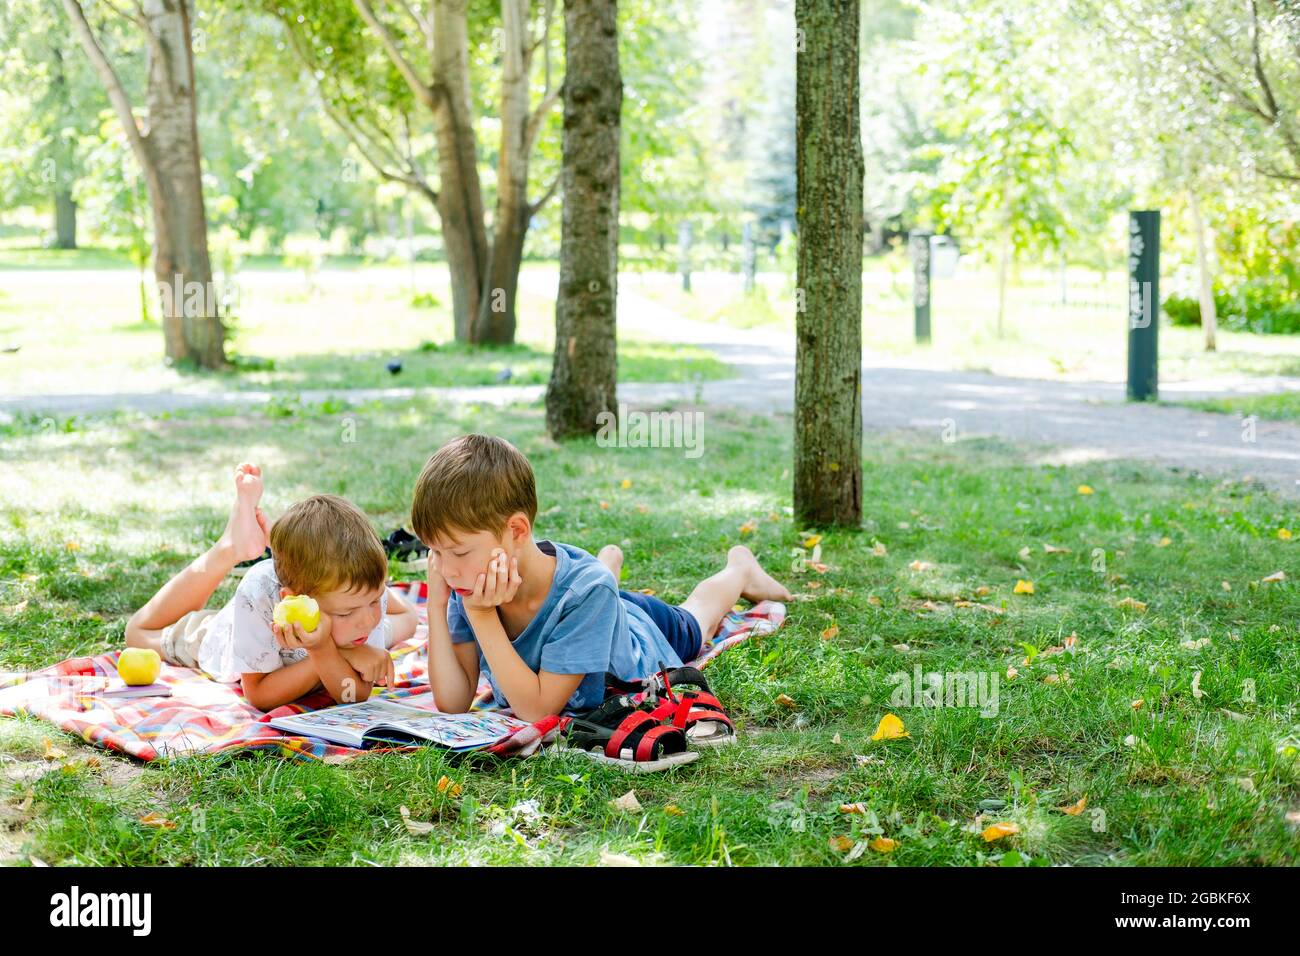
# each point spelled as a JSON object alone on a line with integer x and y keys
{"x": 759, "y": 585}
{"x": 611, "y": 556}
{"x": 247, "y": 532}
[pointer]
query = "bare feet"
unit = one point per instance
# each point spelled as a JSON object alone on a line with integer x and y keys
{"x": 759, "y": 585}
{"x": 611, "y": 556}
{"x": 247, "y": 532}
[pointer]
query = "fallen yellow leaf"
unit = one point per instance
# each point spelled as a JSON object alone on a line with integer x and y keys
{"x": 853, "y": 808}
{"x": 1132, "y": 603}
{"x": 1085, "y": 489}
{"x": 873, "y": 601}
{"x": 1137, "y": 704}
{"x": 983, "y": 591}
{"x": 840, "y": 844}
{"x": 830, "y": 632}
{"x": 890, "y": 728}
{"x": 626, "y": 483}
{"x": 1284, "y": 534}
{"x": 673, "y": 810}
{"x": 1274, "y": 578}
{"x": 1075, "y": 809}
{"x": 999, "y": 830}
{"x": 1024, "y": 587}
{"x": 52, "y": 752}
{"x": 878, "y": 549}
{"x": 812, "y": 541}
{"x": 785, "y": 700}
{"x": 883, "y": 845}
{"x": 604, "y": 505}
{"x": 646, "y": 590}
{"x": 1164, "y": 542}
{"x": 1053, "y": 549}
{"x": 157, "y": 820}
{"x": 447, "y": 786}
{"x": 921, "y": 566}
{"x": 749, "y": 527}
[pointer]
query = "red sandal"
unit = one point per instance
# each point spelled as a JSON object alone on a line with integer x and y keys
{"x": 698, "y": 713}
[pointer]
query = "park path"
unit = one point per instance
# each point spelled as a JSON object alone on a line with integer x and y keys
{"x": 1075, "y": 422}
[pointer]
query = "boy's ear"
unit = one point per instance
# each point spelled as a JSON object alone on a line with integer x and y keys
{"x": 519, "y": 525}
{"x": 284, "y": 593}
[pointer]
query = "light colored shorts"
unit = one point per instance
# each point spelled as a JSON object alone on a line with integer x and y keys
{"x": 181, "y": 641}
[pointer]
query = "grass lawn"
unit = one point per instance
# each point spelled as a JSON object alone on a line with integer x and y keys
{"x": 82, "y": 331}
{"x": 1283, "y": 406}
{"x": 96, "y": 517}
{"x": 1042, "y": 338}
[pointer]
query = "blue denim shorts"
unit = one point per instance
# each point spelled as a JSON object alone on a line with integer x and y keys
{"x": 677, "y": 623}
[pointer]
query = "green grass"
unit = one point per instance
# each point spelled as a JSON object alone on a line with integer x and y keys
{"x": 1282, "y": 406}
{"x": 336, "y": 328}
{"x": 97, "y": 513}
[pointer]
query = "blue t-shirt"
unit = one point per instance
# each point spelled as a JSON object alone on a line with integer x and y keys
{"x": 583, "y": 627}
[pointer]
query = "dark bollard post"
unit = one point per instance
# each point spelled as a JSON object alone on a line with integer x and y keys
{"x": 1143, "y": 304}
{"x": 919, "y": 245}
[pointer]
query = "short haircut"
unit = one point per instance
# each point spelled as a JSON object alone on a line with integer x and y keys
{"x": 473, "y": 483}
{"x": 325, "y": 543}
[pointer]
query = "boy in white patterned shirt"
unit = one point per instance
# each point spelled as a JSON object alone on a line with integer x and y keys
{"x": 322, "y": 546}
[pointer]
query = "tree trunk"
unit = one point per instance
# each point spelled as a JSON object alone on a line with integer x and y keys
{"x": 828, "y": 361}
{"x": 176, "y": 190}
{"x": 65, "y": 209}
{"x": 168, "y": 153}
{"x": 1209, "y": 316}
{"x": 460, "y": 198}
{"x": 585, "y": 372}
{"x": 496, "y": 314}
{"x": 65, "y": 217}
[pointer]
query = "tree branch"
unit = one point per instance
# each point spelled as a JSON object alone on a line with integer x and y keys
{"x": 112, "y": 85}
{"x": 423, "y": 91}
{"x": 535, "y": 208}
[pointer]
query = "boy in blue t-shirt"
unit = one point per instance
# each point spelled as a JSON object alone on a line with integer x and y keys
{"x": 543, "y": 620}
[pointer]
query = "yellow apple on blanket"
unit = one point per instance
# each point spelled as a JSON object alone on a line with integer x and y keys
{"x": 298, "y": 608}
{"x": 138, "y": 666}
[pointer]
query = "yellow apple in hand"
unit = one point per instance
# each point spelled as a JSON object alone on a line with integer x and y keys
{"x": 138, "y": 666}
{"x": 299, "y": 608}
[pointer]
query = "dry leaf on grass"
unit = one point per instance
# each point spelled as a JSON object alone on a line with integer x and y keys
{"x": 628, "y": 803}
{"x": 1075, "y": 809}
{"x": 999, "y": 831}
{"x": 890, "y": 728}
{"x": 416, "y": 827}
{"x": 1024, "y": 587}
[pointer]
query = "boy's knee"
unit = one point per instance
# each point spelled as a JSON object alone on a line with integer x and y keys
{"x": 739, "y": 553}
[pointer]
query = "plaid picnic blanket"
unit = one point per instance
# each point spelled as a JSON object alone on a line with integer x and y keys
{"x": 204, "y": 716}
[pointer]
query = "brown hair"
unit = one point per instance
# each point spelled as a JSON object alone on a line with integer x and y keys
{"x": 472, "y": 483}
{"x": 324, "y": 543}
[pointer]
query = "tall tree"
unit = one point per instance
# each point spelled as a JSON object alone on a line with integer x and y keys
{"x": 426, "y": 47}
{"x": 828, "y": 323}
{"x": 585, "y": 371}
{"x": 166, "y": 145}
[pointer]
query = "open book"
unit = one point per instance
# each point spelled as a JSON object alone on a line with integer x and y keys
{"x": 387, "y": 721}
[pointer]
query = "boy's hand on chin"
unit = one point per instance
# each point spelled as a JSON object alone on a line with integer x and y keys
{"x": 497, "y": 585}
{"x": 439, "y": 592}
{"x": 373, "y": 664}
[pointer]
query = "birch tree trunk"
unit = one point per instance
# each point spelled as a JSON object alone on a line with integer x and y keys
{"x": 167, "y": 148}
{"x": 828, "y": 322}
{"x": 585, "y": 371}
{"x": 1209, "y": 316}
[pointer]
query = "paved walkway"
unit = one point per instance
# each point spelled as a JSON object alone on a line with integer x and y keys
{"x": 1080, "y": 421}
